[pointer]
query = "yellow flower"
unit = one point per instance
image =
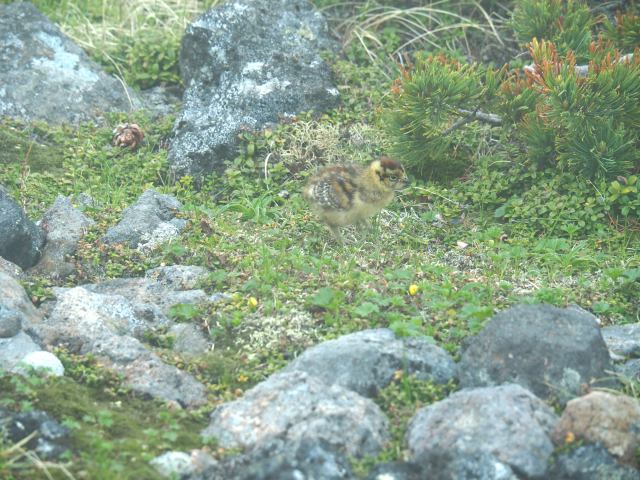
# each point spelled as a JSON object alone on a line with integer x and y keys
{"x": 569, "y": 437}
{"x": 252, "y": 302}
{"x": 413, "y": 289}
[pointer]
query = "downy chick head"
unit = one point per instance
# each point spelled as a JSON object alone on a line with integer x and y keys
{"x": 388, "y": 174}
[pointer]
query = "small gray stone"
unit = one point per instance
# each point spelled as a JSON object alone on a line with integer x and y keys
{"x": 623, "y": 340}
{"x": 13, "y": 298}
{"x": 397, "y": 471}
{"x": 21, "y": 240}
{"x": 48, "y": 77}
{"x": 10, "y": 268}
{"x": 147, "y": 221}
{"x": 294, "y": 407}
{"x": 246, "y": 64}
{"x": 40, "y": 360}
{"x": 504, "y": 429}
{"x": 190, "y": 341}
{"x": 551, "y": 351}
{"x": 64, "y": 226}
{"x": 183, "y": 465}
{"x": 179, "y": 277}
{"x": 366, "y": 361}
{"x": 174, "y": 464}
{"x": 590, "y": 462}
{"x": 14, "y": 349}
{"x": 10, "y": 321}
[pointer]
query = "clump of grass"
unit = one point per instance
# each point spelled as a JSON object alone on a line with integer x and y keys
{"x": 16, "y": 460}
{"x": 138, "y": 40}
{"x": 386, "y": 33}
{"x": 400, "y": 400}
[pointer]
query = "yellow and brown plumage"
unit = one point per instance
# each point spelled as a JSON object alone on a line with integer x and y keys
{"x": 349, "y": 194}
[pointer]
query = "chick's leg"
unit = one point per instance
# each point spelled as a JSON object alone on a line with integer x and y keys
{"x": 363, "y": 225}
{"x": 336, "y": 233}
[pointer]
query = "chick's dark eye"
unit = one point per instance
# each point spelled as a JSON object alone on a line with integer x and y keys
{"x": 393, "y": 177}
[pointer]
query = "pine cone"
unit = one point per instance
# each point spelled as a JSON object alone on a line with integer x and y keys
{"x": 127, "y": 135}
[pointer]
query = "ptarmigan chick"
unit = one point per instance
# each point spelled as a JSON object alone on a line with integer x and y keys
{"x": 349, "y": 194}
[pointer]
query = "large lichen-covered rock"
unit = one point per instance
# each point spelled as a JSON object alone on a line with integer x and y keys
{"x": 45, "y": 76}
{"x": 245, "y": 64}
{"x": 103, "y": 325}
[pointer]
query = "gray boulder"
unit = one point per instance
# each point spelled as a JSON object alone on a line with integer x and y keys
{"x": 45, "y": 76}
{"x": 600, "y": 417}
{"x": 294, "y": 407}
{"x": 548, "y": 350}
{"x": 10, "y": 321}
{"x": 14, "y": 301}
{"x": 64, "y": 226}
{"x": 87, "y": 322}
{"x": 16, "y": 312}
{"x": 366, "y": 361}
{"x": 245, "y": 64}
{"x": 153, "y": 296}
{"x": 148, "y": 222}
{"x": 52, "y": 439}
{"x": 623, "y": 340}
{"x": 397, "y": 471}
{"x": 590, "y": 462}
{"x": 21, "y": 240}
{"x": 456, "y": 465}
{"x": 502, "y": 431}
{"x": 10, "y": 268}
{"x": 283, "y": 460}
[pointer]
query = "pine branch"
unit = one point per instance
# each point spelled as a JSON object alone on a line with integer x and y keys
{"x": 583, "y": 70}
{"x": 493, "y": 119}
{"x": 470, "y": 116}
{"x": 490, "y": 118}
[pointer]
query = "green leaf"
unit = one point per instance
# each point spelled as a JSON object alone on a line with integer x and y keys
{"x": 500, "y": 211}
{"x": 365, "y": 309}
{"x": 183, "y": 312}
{"x": 323, "y": 297}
